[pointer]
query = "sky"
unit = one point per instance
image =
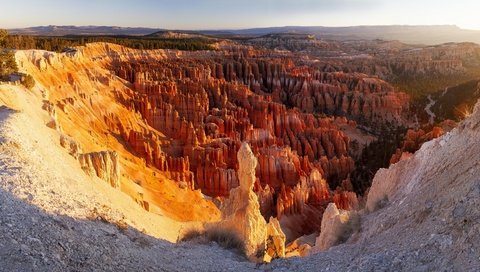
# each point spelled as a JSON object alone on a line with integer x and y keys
{"x": 237, "y": 14}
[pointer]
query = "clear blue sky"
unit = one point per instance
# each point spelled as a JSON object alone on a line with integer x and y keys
{"x": 223, "y": 14}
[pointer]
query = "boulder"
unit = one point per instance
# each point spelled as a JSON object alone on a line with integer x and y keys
{"x": 336, "y": 227}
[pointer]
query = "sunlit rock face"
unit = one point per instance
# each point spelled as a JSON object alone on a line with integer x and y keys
{"x": 336, "y": 226}
{"x": 103, "y": 165}
{"x": 241, "y": 210}
{"x": 275, "y": 241}
{"x": 241, "y": 214}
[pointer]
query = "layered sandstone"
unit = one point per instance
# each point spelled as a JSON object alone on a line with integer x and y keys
{"x": 102, "y": 164}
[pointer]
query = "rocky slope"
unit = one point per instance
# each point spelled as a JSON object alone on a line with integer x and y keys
{"x": 421, "y": 213}
{"x": 74, "y": 89}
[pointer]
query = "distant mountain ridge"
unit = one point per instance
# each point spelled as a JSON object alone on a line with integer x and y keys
{"x": 174, "y": 34}
{"x": 53, "y": 30}
{"x": 434, "y": 34}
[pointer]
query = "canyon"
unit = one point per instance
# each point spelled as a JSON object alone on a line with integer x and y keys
{"x": 183, "y": 116}
{"x": 256, "y": 140}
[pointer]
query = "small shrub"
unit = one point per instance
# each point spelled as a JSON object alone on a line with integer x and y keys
{"x": 354, "y": 225}
{"x": 28, "y": 81}
{"x": 224, "y": 238}
{"x": 191, "y": 234}
{"x": 382, "y": 203}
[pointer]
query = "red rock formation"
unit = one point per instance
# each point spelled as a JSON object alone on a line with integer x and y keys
{"x": 415, "y": 138}
{"x": 200, "y": 109}
{"x": 148, "y": 147}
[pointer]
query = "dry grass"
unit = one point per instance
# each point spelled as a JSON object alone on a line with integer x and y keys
{"x": 226, "y": 239}
{"x": 353, "y": 226}
{"x": 382, "y": 203}
{"x": 191, "y": 234}
{"x": 103, "y": 216}
{"x": 223, "y": 237}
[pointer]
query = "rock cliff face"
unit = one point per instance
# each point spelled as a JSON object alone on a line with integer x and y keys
{"x": 87, "y": 102}
{"x": 73, "y": 147}
{"x": 103, "y": 165}
{"x": 241, "y": 215}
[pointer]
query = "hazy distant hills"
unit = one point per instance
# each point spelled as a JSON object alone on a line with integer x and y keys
{"x": 407, "y": 34}
{"x": 52, "y": 30}
{"x": 178, "y": 34}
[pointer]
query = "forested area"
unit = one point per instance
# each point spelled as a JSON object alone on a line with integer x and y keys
{"x": 59, "y": 44}
{"x": 8, "y": 65}
{"x": 7, "y": 57}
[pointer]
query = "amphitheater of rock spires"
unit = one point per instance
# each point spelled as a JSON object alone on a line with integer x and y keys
{"x": 283, "y": 149}
{"x": 183, "y": 118}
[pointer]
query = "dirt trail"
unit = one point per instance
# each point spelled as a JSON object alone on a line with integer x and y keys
{"x": 428, "y": 109}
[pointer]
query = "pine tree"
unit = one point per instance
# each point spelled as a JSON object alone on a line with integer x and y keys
{"x": 8, "y": 64}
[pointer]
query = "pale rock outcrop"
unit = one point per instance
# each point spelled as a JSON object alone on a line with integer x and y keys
{"x": 241, "y": 215}
{"x": 102, "y": 164}
{"x": 275, "y": 244}
{"x": 241, "y": 211}
{"x": 336, "y": 224}
{"x": 73, "y": 147}
{"x": 50, "y": 108}
{"x": 300, "y": 246}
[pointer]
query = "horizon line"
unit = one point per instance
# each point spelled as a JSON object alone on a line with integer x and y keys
{"x": 247, "y": 28}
